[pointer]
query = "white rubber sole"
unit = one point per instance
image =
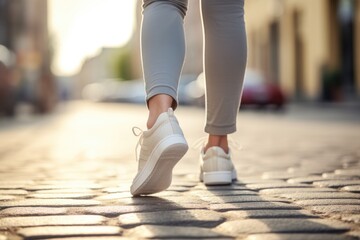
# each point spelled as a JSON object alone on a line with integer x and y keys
{"x": 218, "y": 178}
{"x": 156, "y": 175}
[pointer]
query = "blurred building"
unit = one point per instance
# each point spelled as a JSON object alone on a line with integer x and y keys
{"x": 312, "y": 48}
{"x": 95, "y": 69}
{"x": 24, "y": 30}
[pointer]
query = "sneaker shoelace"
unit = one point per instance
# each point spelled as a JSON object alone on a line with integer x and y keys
{"x": 138, "y": 132}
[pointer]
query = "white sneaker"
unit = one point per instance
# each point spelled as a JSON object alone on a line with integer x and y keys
{"x": 216, "y": 167}
{"x": 162, "y": 147}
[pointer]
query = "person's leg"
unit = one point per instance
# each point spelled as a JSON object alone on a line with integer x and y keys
{"x": 162, "y": 51}
{"x": 225, "y": 54}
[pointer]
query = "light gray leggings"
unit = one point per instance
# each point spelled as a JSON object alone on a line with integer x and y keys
{"x": 225, "y": 54}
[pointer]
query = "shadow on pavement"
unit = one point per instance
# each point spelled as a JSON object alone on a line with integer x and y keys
{"x": 249, "y": 213}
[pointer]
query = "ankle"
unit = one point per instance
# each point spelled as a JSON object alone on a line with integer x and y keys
{"x": 158, "y": 104}
{"x": 217, "y": 141}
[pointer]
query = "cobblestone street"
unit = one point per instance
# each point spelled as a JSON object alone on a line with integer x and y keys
{"x": 67, "y": 175}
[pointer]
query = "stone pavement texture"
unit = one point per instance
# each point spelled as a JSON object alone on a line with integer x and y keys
{"x": 67, "y": 176}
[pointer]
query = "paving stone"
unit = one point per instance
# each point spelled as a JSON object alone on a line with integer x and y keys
{"x": 277, "y": 191}
{"x": 186, "y": 176}
{"x": 62, "y": 195}
{"x": 51, "y": 220}
{"x": 308, "y": 179}
{"x": 298, "y": 236}
{"x": 252, "y": 205}
{"x": 348, "y": 172}
{"x": 73, "y": 174}
{"x": 112, "y": 196}
{"x": 167, "y": 193}
{"x": 68, "y": 231}
{"x": 116, "y": 189}
{"x": 188, "y": 184}
{"x": 306, "y": 170}
{"x": 32, "y": 211}
{"x": 64, "y": 186}
{"x": 311, "y": 168}
{"x": 319, "y": 195}
{"x": 183, "y": 217}
{"x": 7, "y": 197}
{"x": 71, "y": 182}
{"x": 67, "y": 190}
{"x": 156, "y": 231}
{"x": 261, "y": 186}
{"x": 112, "y": 211}
{"x": 355, "y": 218}
{"x": 334, "y": 176}
{"x": 178, "y": 188}
{"x": 284, "y": 225}
{"x": 109, "y": 211}
{"x": 337, "y": 183}
{"x": 161, "y": 200}
{"x": 206, "y": 193}
{"x": 336, "y": 209}
{"x": 354, "y": 188}
{"x": 329, "y": 176}
{"x": 268, "y": 213}
{"x": 234, "y": 199}
{"x": 253, "y": 180}
{"x": 10, "y": 182}
{"x": 48, "y": 203}
{"x": 13, "y": 192}
{"x": 317, "y": 202}
{"x": 220, "y": 188}
{"x": 281, "y": 175}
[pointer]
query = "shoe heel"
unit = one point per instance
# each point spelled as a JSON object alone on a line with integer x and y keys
{"x": 156, "y": 175}
{"x": 217, "y": 178}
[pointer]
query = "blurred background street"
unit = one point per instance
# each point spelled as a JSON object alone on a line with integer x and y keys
{"x": 54, "y": 51}
{"x": 71, "y": 89}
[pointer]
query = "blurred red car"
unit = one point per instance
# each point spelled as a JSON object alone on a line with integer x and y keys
{"x": 259, "y": 92}
{"x": 256, "y": 91}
